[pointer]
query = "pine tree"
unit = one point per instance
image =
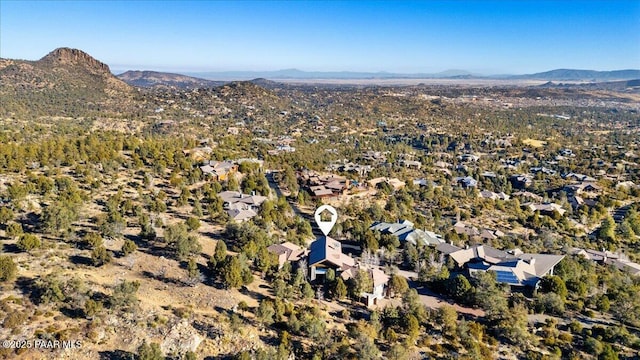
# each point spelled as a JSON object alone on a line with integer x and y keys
{"x": 341, "y": 289}
{"x": 233, "y": 273}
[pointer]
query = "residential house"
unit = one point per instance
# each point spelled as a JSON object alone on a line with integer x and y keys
{"x": 545, "y": 208}
{"x": 521, "y": 181}
{"x": 287, "y": 252}
{"x": 375, "y": 156}
{"x": 586, "y": 188}
{"x": 405, "y": 232}
{"x": 543, "y": 170}
{"x": 326, "y": 253}
{"x": 466, "y": 181}
{"x": 491, "y": 234}
{"x": 486, "y": 194}
{"x": 219, "y": 170}
{"x": 285, "y": 148}
{"x": 239, "y": 206}
{"x": 512, "y": 164}
{"x": 631, "y": 267}
{"x": 595, "y": 255}
{"x": 379, "y": 280}
{"x": 576, "y": 201}
{"x": 514, "y": 268}
{"x": 414, "y": 164}
{"x": 395, "y": 183}
{"x": 578, "y": 177}
{"x": 464, "y": 228}
{"x": 566, "y": 152}
{"x": 468, "y": 158}
{"x": 443, "y": 165}
{"x": 323, "y": 186}
{"x": 348, "y": 166}
{"x": 605, "y": 257}
{"x": 528, "y": 195}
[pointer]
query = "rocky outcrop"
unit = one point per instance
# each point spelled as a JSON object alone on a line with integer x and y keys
{"x": 66, "y": 56}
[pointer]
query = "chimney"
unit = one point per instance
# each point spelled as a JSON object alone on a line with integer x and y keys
{"x": 532, "y": 261}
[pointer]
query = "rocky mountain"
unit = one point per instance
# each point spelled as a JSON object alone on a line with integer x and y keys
{"x": 65, "y": 82}
{"x": 148, "y": 79}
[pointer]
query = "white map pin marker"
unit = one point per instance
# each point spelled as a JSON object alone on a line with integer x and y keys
{"x": 326, "y": 226}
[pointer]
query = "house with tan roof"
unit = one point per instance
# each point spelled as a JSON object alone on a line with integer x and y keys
{"x": 487, "y": 194}
{"x": 405, "y": 232}
{"x": 545, "y": 208}
{"x": 379, "y": 279}
{"x": 239, "y": 206}
{"x": 514, "y": 268}
{"x": 464, "y": 228}
{"x": 219, "y": 170}
{"x": 323, "y": 186}
{"x": 395, "y": 183}
{"x": 287, "y": 252}
{"x": 606, "y": 257}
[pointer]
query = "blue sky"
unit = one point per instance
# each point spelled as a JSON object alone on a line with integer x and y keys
{"x": 487, "y": 37}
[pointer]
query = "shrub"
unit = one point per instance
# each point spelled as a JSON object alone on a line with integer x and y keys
{"x": 193, "y": 223}
{"x": 149, "y": 351}
{"x": 128, "y": 247}
{"x": 14, "y": 230}
{"x": 100, "y": 256}
{"x": 124, "y": 294}
{"x": 92, "y": 308}
{"x": 6, "y": 215}
{"x": 8, "y": 269}
{"x": 28, "y": 242}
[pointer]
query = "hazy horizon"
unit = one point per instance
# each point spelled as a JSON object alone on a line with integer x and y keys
{"x": 486, "y": 38}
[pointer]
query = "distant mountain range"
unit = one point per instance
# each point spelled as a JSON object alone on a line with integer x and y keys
{"x": 553, "y": 75}
{"x": 65, "y": 72}
{"x": 287, "y": 74}
{"x": 581, "y": 75}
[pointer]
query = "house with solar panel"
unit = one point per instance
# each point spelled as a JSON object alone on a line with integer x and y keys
{"x": 514, "y": 267}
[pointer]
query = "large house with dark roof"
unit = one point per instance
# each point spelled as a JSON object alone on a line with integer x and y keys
{"x": 326, "y": 253}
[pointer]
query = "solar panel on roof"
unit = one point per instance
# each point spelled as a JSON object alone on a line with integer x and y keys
{"x": 507, "y": 277}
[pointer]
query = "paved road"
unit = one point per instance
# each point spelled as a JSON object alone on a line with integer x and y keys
{"x": 294, "y": 205}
